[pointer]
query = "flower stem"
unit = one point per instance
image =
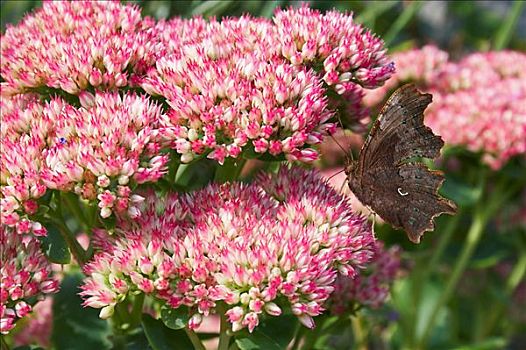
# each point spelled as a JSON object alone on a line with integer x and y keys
{"x": 196, "y": 342}
{"x": 4, "y": 345}
{"x": 481, "y": 216}
{"x": 298, "y": 335}
{"x": 136, "y": 313}
{"x": 230, "y": 170}
{"x": 74, "y": 246}
{"x": 359, "y": 332}
{"x": 505, "y": 32}
{"x": 515, "y": 277}
{"x": 474, "y": 234}
{"x": 402, "y": 20}
{"x": 224, "y": 338}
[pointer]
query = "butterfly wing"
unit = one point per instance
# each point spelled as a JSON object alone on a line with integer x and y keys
{"x": 403, "y": 192}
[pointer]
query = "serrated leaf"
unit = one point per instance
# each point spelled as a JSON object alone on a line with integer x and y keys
{"x": 76, "y": 327}
{"x": 161, "y": 337}
{"x": 54, "y": 246}
{"x": 175, "y": 318}
{"x": 271, "y": 334}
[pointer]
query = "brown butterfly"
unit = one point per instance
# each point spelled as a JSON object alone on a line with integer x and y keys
{"x": 388, "y": 177}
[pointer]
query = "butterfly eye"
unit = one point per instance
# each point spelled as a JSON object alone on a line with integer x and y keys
{"x": 62, "y": 140}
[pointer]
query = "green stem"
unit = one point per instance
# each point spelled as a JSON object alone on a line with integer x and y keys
{"x": 445, "y": 238}
{"x": 224, "y": 338}
{"x": 481, "y": 216}
{"x": 72, "y": 203}
{"x": 136, "y": 313}
{"x": 402, "y": 20}
{"x": 505, "y": 32}
{"x": 4, "y": 343}
{"x": 359, "y": 332}
{"x": 515, "y": 277}
{"x": 230, "y": 170}
{"x": 473, "y": 237}
{"x": 74, "y": 246}
{"x": 196, "y": 342}
{"x": 298, "y": 335}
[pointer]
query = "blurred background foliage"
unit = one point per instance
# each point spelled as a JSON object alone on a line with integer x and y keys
{"x": 481, "y": 313}
{"x": 455, "y": 26}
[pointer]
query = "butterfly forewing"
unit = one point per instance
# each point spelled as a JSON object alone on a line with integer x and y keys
{"x": 404, "y": 194}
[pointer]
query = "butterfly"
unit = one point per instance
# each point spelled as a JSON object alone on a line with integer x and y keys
{"x": 389, "y": 176}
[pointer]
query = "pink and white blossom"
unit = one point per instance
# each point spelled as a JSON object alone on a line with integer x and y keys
{"x": 246, "y": 246}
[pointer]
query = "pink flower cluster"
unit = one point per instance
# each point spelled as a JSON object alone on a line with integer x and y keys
{"x": 478, "y": 103}
{"x": 25, "y": 275}
{"x": 279, "y": 242}
{"x": 370, "y": 287}
{"x": 39, "y": 325}
{"x": 21, "y": 162}
{"x": 239, "y": 87}
{"x": 75, "y": 45}
{"x": 99, "y": 151}
{"x": 250, "y": 82}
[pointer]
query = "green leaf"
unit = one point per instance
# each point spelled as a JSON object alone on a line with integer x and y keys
{"x": 508, "y": 25}
{"x": 175, "y": 318}
{"x": 28, "y": 347}
{"x": 460, "y": 192}
{"x": 271, "y": 334}
{"x": 76, "y": 327}
{"x": 54, "y": 246}
{"x": 161, "y": 337}
{"x": 489, "y": 344}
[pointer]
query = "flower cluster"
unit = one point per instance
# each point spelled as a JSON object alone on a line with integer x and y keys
{"x": 280, "y": 242}
{"x": 478, "y": 103}
{"x": 419, "y": 66}
{"x": 38, "y": 328}
{"x": 370, "y": 287}
{"x": 251, "y": 83}
{"x": 222, "y": 106}
{"x": 99, "y": 151}
{"x": 103, "y": 148}
{"x": 25, "y": 276}
{"x": 75, "y": 45}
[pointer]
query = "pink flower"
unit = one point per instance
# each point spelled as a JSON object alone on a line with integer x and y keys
{"x": 22, "y": 138}
{"x": 478, "y": 102}
{"x": 73, "y": 46}
{"x": 98, "y": 151}
{"x": 255, "y": 247}
{"x": 25, "y": 276}
{"x": 371, "y": 286}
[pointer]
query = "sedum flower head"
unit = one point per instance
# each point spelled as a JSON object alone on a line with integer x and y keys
{"x": 236, "y": 244}
{"x": 22, "y": 140}
{"x": 371, "y": 286}
{"x": 39, "y": 325}
{"x": 479, "y": 102}
{"x": 75, "y": 45}
{"x": 25, "y": 275}
{"x": 99, "y": 151}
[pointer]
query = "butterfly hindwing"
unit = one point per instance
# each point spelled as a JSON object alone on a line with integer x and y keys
{"x": 402, "y": 192}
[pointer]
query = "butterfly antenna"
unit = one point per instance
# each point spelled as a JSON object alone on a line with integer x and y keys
{"x": 333, "y": 175}
{"x": 348, "y": 153}
{"x": 342, "y": 186}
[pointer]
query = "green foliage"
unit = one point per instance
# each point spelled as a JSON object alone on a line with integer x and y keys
{"x": 175, "y": 318}
{"x": 54, "y": 246}
{"x": 273, "y": 333}
{"x": 76, "y": 327}
{"x": 161, "y": 337}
